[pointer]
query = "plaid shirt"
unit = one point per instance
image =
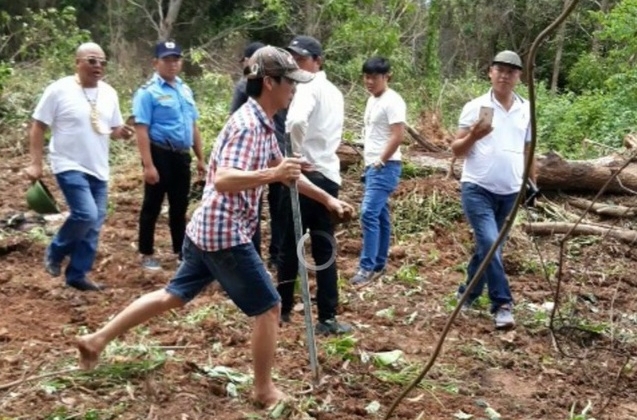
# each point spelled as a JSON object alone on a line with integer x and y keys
{"x": 247, "y": 142}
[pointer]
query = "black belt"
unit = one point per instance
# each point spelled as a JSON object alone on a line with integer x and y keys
{"x": 170, "y": 148}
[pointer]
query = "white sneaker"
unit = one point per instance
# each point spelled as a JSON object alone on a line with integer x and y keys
{"x": 504, "y": 318}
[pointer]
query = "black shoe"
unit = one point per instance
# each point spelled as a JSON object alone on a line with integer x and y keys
{"x": 285, "y": 318}
{"x": 332, "y": 326}
{"x": 85, "y": 285}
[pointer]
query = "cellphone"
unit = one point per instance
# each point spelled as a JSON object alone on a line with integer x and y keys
{"x": 486, "y": 115}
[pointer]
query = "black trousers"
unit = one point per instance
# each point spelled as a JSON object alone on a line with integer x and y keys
{"x": 174, "y": 181}
{"x": 274, "y": 201}
{"x": 316, "y": 218}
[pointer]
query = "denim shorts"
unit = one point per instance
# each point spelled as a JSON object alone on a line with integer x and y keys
{"x": 239, "y": 270}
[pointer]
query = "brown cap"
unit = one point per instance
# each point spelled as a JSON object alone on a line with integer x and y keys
{"x": 275, "y": 62}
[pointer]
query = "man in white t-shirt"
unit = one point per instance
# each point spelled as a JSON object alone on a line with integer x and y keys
{"x": 385, "y": 117}
{"x": 315, "y": 123}
{"x": 494, "y": 153}
{"x": 82, "y": 112}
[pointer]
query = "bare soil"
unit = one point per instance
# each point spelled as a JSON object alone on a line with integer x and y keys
{"x": 527, "y": 373}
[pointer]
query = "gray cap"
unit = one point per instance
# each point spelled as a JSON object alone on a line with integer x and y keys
{"x": 509, "y": 58}
{"x": 275, "y": 62}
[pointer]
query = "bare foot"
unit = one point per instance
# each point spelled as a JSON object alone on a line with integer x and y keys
{"x": 269, "y": 398}
{"x": 89, "y": 355}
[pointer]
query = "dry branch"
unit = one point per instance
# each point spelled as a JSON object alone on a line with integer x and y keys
{"x": 603, "y": 209}
{"x": 429, "y": 146}
{"x": 550, "y": 228}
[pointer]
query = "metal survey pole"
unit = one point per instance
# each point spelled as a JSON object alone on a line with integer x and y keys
{"x": 305, "y": 287}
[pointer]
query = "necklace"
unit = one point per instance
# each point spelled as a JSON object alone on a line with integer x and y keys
{"x": 94, "y": 115}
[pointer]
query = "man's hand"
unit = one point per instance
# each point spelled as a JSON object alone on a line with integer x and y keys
{"x": 201, "y": 169}
{"x": 33, "y": 172}
{"x": 123, "y": 132}
{"x": 289, "y": 169}
{"x": 479, "y": 130}
{"x": 306, "y": 165}
{"x": 151, "y": 176}
{"x": 340, "y": 209}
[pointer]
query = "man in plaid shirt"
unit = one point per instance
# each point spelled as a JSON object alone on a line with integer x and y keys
{"x": 218, "y": 243}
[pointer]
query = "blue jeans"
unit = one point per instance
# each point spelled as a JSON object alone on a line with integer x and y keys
{"x": 87, "y": 199}
{"x": 239, "y": 270}
{"x": 375, "y": 220}
{"x": 487, "y": 213}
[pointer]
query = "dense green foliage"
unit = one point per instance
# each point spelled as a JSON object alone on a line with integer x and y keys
{"x": 440, "y": 50}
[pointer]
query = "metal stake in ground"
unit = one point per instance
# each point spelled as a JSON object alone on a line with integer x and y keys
{"x": 305, "y": 287}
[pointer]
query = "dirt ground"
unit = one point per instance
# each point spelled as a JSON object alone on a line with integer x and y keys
{"x": 176, "y": 366}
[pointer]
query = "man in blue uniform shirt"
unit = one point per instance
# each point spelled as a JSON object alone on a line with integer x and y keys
{"x": 165, "y": 124}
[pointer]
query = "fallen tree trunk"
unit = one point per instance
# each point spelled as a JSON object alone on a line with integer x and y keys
{"x": 556, "y": 173}
{"x": 602, "y": 209}
{"x": 427, "y": 145}
{"x": 550, "y": 228}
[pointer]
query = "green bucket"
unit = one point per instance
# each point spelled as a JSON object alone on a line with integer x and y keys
{"x": 40, "y": 199}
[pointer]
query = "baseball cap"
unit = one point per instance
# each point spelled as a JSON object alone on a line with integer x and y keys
{"x": 509, "y": 58}
{"x": 305, "y": 45}
{"x": 251, "y": 48}
{"x": 275, "y": 62}
{"x": 167, "y": 48}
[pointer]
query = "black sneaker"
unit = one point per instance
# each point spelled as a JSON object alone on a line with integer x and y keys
{"x": 86, "y": 285}
{"x": 53, "y": 268}
{"x": 332, "y": 326}
{"x": 285, "y": 318}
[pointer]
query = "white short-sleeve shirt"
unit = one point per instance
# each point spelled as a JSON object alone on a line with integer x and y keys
{"x": 315, "y": 122}
{"x": 75, "y": 146}
{"x": 380, "y": 113}
{"x": 496, "y": 162}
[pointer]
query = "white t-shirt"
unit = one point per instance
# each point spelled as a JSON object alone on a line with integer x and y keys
{"x": 315, "y": 123}
{"x": 380, "y": 113}
{"x": 75, "y": 146}
{"x": 496, "y": 162}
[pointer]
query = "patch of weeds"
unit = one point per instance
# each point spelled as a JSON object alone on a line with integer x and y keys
{"x": 116, "y": 373}
{"x": 478, "y": 351}
{"x": 407, "y": 373}
{"x": 583, "y": 415}
{"x": 415, "y": 213}
{"x": 410, "y": 170}
{"x": 340, "y": 347}
{"x": 197, "y": 316}
{"x": 38, "y": 234}
{"x": 235, "y": 381}
{"x": 387, "y": 313}
{"x": 63, "y": 413}
{"x": 408, "y": 274}
{"x": 535, "y": 320}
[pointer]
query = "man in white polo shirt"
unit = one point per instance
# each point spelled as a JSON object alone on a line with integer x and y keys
{"x": 315, "y": 123}
{"x": 492, "y": 174}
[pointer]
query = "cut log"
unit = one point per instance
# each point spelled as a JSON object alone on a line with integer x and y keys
{"x": 556, "y": 173}
{"x": 551, "y": 228}
{"x": 349, "y": 155}
{"x": 603, "y": 209}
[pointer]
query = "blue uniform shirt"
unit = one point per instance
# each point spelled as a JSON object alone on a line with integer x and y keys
{"x": 169, "y": 112}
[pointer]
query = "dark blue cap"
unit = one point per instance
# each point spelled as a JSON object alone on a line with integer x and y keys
{"x": 306, "y": 46}
{"x": 251, "y": 48}
{"x": 167, "y": 48}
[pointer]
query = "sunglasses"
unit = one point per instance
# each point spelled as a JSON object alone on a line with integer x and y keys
{"x": 93, "y": 61}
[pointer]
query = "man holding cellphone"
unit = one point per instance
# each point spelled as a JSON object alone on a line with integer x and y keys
{"x": 493, "y": 137}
